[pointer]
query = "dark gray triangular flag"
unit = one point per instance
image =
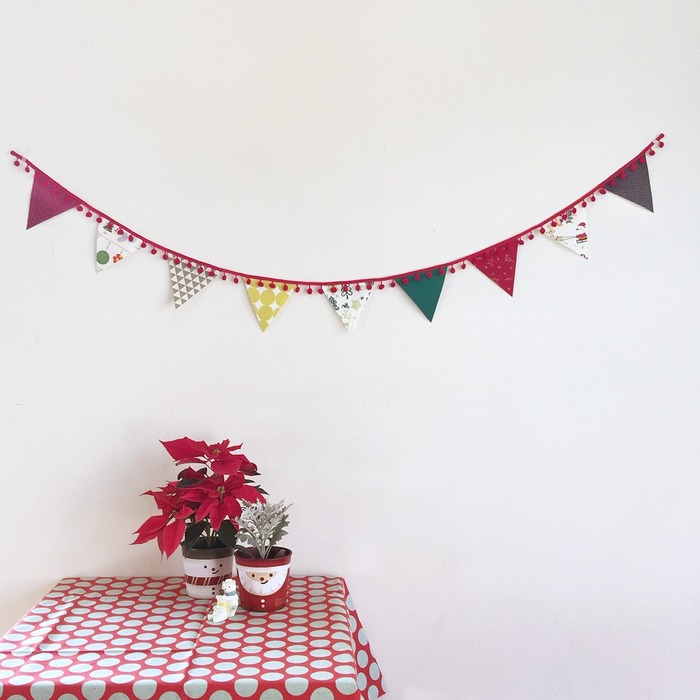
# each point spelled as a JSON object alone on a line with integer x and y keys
{"x": 635, "y": 185}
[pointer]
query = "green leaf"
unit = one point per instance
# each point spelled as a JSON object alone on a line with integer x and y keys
{"x": 192, "y": 534}
{"x": 227, "y": 533}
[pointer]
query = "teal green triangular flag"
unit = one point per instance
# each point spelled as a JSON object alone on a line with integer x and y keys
{"x": 424, "y": 291}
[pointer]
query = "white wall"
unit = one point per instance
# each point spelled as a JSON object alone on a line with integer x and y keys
{"x": 535, "y": 458}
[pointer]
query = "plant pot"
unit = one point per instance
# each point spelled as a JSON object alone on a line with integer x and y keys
{"x": 263, "y": 583}
{"x": 206, "y": 570}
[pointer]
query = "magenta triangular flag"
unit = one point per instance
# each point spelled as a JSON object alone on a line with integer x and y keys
{"x": 498, "y": 263}
{"x": 48, "y": 199}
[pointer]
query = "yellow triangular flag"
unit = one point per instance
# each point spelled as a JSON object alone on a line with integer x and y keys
{"x": 267, "y": 298}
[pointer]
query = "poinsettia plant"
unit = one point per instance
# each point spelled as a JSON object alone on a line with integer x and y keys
{"x": 200, "y": 508}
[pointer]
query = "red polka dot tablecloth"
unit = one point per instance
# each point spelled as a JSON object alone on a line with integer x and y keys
{"x": 146, "y": 639}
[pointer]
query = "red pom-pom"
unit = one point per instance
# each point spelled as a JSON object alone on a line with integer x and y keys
{"x": 273, "y": 285}
{"x": 441, "y": 271}
{"x": 285, "y": 287}
{"x": 153, "y": 251}
{"x": 320, "y": 290}
{"x": 261, "y": 283}
{"x": 531, "y": 235}
{"x": 633, "y": 166}
{"x": 200, "y": 269}
{"x": 393, "y": 283}
{"x": 189, "y": 263}
{"x": 541, "y": 229}
{"x": 584, "y": 204}
{"x": 452, "y": 270}
{"x": 405, "y": 280}
{"x": 357, "y": 287}
{"x": 553, "y": 223}
{"x": 521, "y": 241}
{"x": 334, "y": 289}
{"x": 143, "y": 244}
{"x": 651, "y": 152}
{"x": 223, "y": 277}
{"x": 429, "y": 274}
{"x": 623, "y": 175}
{"x": 297, "y": 288}
{"x": 592, "y": 198}
{"x": 212, "y": 273}
{"x": 464, "y": 266}
{"x": 601, "y": 190}
{"x": 165, "y": 256}
{"x": 416, "y": 277}
{"x": 16, "y": 162}
{"x": 247, "y": 280}
{"x": 88, "y": 214}
{"x": 177, "y": 261}
{"x": 99, "y": 219}
{"x": 26, "y": 167}
{"x": 381, "y": 285}
{"x": 79, "y": 207}
{"x": 235, "y": 279}
{"x": 368, "y": 285}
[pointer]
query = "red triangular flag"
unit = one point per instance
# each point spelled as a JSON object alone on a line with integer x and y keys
{"x": 48, "y": 199}
{"x": 498, "y": 263}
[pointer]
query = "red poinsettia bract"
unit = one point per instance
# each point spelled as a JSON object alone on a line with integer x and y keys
{"x": 203, "y": 503}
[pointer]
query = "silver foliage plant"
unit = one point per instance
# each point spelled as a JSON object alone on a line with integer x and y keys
{"x": 262, "y": 525}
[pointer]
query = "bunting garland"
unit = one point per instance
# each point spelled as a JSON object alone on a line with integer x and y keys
{"x": 348, "y": 298}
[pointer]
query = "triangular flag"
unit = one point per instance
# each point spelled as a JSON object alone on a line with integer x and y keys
{"x": 112, "y": 245}
{"x": 424, "y": 288}
{"x": 570, "y": 231}
{"x": 186, "y": 281}
{"x": 267, "y": 299}
{"x": 48, "y": 199}
{"x": 348, "y": 301}
{"x": 633, "y": 184}
{"x": 498, "y": 263}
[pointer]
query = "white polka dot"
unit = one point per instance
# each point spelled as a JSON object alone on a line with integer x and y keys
{"x": 144, "y": 690}
{"x": 322, "y": 694}
{"x": 151, "y": 672}
{"x": 321, "y": 663}
{"x": 272, "y": 694}
{"x": 123, "y": 678}
{"x": 178, "y": 666}
{"x": 173, "y": 677}
{"x": 361, "y": 636}
{"x": 273, "y": 665}
{"x": 246, "y": 687}
{"x": 321, "y": 675}
{"x": 42, "y": 690}
{"x": 195, "y": 689}
{"x": 222, "y": 678}
{"x": 361, "y": 681}
{"x": 297, "y": 670}
{"x": 94, "y": 690}
{"x": 296, "y": 686}
{"x": 199, "y": 672}
{"x": 101, "y": 673}
{"x": 374, "y": 672}
{"x": 346, "y": 686}
{"x": 67, "y": 696}
{"x": 362, "y": 658}
{"x": 169, "y": 695}
{"x": 250, "y": 660}
{"x": 373, "y": 693}
{"x": 346, "y": 670}
{"x": 220, "y": 695}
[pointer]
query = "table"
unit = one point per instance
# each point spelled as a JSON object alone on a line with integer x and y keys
{"x": 121, "y": 638}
